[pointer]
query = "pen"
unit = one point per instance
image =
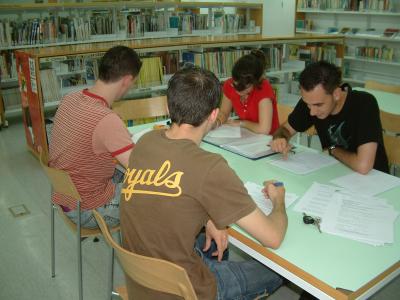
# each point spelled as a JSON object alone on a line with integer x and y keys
{"x": 278, "y": 183}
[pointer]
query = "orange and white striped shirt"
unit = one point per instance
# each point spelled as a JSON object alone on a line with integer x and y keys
{"x": 86, "y": 136}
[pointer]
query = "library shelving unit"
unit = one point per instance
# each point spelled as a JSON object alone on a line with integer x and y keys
{"x": 34, "y": 25}
{"x": 371, "y": 30}
{"x": 41, "y": 69}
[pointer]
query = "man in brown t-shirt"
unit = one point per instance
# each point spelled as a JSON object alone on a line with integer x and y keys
{"x": 173, "y": 188}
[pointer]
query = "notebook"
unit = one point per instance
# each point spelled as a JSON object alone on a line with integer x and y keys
{"x": 249, "y": 144}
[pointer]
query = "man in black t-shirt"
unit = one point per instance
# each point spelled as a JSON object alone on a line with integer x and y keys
{"x": 347, "y": 121}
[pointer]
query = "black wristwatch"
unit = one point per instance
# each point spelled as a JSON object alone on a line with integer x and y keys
{"x": 330, "y": 149}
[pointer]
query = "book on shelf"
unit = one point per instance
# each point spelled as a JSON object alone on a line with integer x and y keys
{"x": 245, "y": 143}
{"x": 50, "y": 85}
{"x": 391, "y": 32}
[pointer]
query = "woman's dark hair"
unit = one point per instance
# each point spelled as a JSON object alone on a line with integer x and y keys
{"x": 249, "y": 69}
{"x": 321, "y": 72}
{"x": 192, "y": 94}
{"x": 118, "y": 62}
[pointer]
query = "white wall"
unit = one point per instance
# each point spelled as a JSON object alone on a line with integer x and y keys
{"x": 279, "y": 17}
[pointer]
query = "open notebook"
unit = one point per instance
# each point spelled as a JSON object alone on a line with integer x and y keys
{"x": 240, "y": 141}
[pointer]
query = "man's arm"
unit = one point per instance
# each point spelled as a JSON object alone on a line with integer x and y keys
{"x": 281, "y": 137}
{"x": 269, "y": 230}
{"x": 362, "y": 161}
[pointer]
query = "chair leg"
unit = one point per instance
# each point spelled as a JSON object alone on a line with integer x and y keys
{"x": 79, "y": 240}
{"x": 111, "y": 272}
{"x": 53, "y": 256}
{"x": 309, "y": 139}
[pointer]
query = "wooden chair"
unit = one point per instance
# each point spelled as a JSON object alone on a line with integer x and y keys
{"x": 284, "y": 111}
{"x": 62, "y": 183}
{"x": 141, "y": 108}
{"x": 153, "y": 273}
{"x": 374, "y": 85}
{"x": 391, "y": 137}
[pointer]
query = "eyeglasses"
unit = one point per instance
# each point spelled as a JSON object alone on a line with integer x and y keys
{"x": 312, "y": 220}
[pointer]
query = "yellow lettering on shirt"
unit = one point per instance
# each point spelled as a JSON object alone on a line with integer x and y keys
{"x": 137, "y": 180}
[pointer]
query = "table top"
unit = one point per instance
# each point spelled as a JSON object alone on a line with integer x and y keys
{"x": 336, "y": 261}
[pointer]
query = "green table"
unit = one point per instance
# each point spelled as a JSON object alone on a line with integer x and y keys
{"x": 318, "y": 263}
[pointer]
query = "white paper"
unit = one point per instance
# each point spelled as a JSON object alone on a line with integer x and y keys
{"x": 361, "y": 218}
{"x": 375, "y": 182}
{"x": 265, "y": 204}
{"x": 225, "y": 131}
{"x": 350, "y": 215}
{"x": 304, "y": 162}
{"x": 252, "y": 147}
{"x": 316, "y": 200}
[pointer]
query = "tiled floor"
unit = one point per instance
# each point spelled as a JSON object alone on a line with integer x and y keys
{"x": 25, "y": 240}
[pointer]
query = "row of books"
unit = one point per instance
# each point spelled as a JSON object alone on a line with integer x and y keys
{"x": 311, "y": 54}
{"x": 185, "y": 23}
{"x": 379, "y": 53}
{"x": 354, "y": 5}
{"x": 42, "y": 31}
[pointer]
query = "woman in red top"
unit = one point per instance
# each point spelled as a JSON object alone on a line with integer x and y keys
{"x": 250, "y": 95}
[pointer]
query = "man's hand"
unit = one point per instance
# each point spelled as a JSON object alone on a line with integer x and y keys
{"x": 281, "y": 145}
{"x": 219, "y": 236}
{"x": 275, "y": 193}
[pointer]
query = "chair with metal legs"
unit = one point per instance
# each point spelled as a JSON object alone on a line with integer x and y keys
{"x": 62, "y": 183}
{"x": 153, "y": 273}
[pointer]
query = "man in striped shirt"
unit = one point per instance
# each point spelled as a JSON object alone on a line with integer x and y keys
{"x": 88, "y": 137}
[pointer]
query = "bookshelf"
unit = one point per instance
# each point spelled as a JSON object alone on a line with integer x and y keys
{"x": 41, "y": 70}
{"x": 37, "y": 25}
{"x": 371, "y": 30}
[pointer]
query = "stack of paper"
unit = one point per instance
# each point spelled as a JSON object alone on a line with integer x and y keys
{"x": 304, "y": 162}
{"x": 351, "y": 215}
{"x": 265, "y": 204}
{"x": 375, "y": 182}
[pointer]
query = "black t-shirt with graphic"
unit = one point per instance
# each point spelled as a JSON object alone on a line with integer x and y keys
{"x": 356, "y": 124}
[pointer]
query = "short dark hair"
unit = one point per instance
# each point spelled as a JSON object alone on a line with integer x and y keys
{"x": 118, "y": 62}
{"x": 321, "y": 72}
{"x": 192, "y": 94}
{"x": 248, "y": 70}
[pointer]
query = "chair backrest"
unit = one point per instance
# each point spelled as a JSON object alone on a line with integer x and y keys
{"x": 153, "y": 273}
{"x": 60, "y": 180}
{"x": 141, "y": 108}
{"x": 284, "y": 111}
{"x": 374, "y": 85}
{"x": 391, "y": 138}
{"x": 390, "y": 122}
{"x": 392, "y": 147}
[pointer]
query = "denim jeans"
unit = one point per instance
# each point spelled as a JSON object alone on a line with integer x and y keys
{"x": 109, "y": 211}
{"x": 242, "y": 280}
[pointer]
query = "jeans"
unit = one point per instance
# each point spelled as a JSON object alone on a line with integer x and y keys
{"x": 109, "y": 211}
{"x": 242, "y": 280}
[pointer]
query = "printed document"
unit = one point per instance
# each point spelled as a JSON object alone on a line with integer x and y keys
{"x": 304, "y": 162}
{"x": 375, "y": 182}
{"x": 351, "y": 215}
{"x": 265, "y": 204}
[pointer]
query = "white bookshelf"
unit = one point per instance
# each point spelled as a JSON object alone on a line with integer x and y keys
{"x": 357, "y": 68}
